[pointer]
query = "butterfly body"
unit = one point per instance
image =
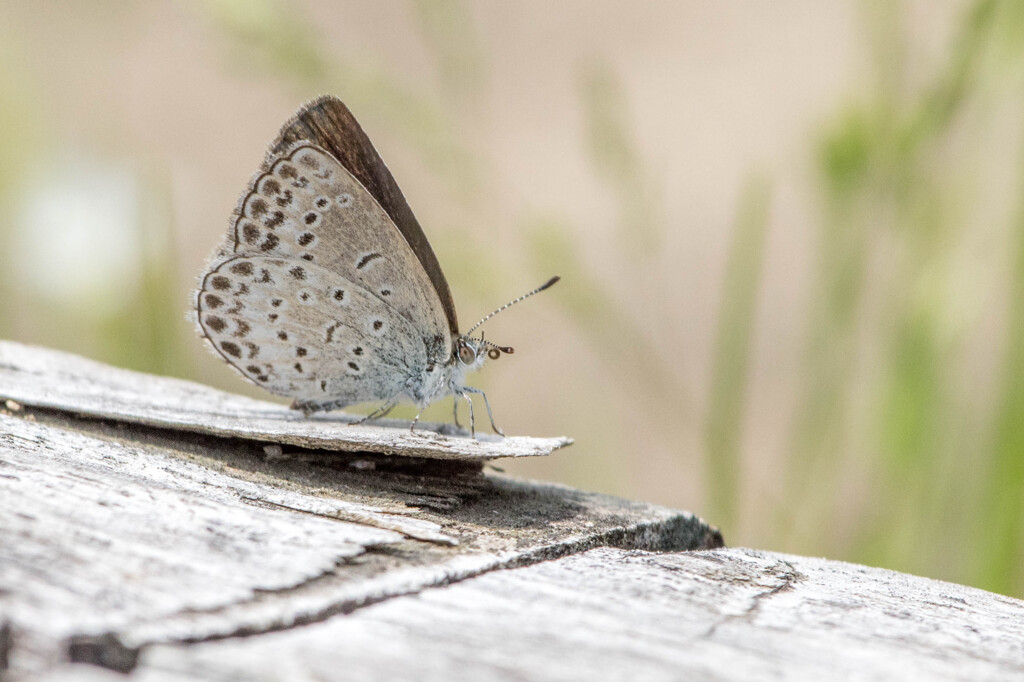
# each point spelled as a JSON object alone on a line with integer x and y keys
{"x": 325, "y": 289}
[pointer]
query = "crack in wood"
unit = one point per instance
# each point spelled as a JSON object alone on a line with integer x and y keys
{"x": 106, "y": 650}
{"x": 788, "y": 577}
{"x": 638, "y": 537}
{"x": 363, "y": 519}
{"x": 6, "y": 645}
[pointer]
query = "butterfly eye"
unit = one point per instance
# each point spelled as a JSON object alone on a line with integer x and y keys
{"x": 467, "y": 355}
{"x": 494, "y": 354}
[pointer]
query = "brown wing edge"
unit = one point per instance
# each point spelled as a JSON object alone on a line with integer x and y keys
{"x": 327, "y": 122}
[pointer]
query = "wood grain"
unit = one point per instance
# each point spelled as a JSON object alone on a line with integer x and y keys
{"x": 117, "y": 537}
{"x": 166, "y": 554}
{"x": 612, "y": 614}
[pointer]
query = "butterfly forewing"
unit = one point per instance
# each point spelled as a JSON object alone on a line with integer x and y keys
{"x": 327, "y": 123}
{"x": 307, "y": 207}
{"x": 316, "y": 295}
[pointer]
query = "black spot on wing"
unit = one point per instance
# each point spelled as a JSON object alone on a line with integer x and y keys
{"x": 231, "y": 349}
{"x": 367, "y": 259}
{"x": 270, "y": 242}
{"x": 250, "y": 233}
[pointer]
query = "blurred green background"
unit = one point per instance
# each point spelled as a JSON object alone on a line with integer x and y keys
{"x": 791, "y": 234}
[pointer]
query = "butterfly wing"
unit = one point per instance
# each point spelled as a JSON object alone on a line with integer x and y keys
{"x": 328, "y": 123}
{"x": 316, "y": 241}
{"x": 306, "y": 332}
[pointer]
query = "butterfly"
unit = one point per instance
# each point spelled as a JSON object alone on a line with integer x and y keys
{"x": 326, "y": 290}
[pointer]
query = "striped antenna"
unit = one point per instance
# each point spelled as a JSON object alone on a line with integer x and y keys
{"x": 539, "y": 289}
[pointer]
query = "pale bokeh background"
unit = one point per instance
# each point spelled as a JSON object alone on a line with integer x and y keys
{"x": 791, "y": 234}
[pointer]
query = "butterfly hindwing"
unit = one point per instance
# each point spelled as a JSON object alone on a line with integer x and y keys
{"x": 311, "y": 335}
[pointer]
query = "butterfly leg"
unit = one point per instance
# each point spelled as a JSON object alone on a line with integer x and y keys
{"x": 412, "y": 427}
{"x": 455, "y": 411}
{"x": 381, "y": 411}
{"x": 472, "y": 422}
{"x": 487, "y": 404}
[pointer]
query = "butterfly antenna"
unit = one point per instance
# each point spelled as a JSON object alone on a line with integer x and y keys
{"x": 539, "y": 289}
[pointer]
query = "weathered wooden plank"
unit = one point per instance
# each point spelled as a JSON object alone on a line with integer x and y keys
{"x": 114, "y": 537}
{"x": 182, "y": 556}
{"x": 610, "y": 614}
{"x": 46, "y": 378}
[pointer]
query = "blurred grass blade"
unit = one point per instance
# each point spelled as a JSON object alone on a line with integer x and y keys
{"x": 730, "y": 372}
{"x": 1000, "y": 517}
{"x": 619, "y": 161}
{"x": 448, "y": 29}
{"x": 608, "y": 324}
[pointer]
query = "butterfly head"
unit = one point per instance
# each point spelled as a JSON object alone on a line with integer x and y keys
{"x": 471, "y": 352}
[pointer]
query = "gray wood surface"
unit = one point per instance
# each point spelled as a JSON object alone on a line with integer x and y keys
{"x": 612, "y": 614}
{"x": 62, "y": 381}
{"x": 116, "y": 536}
{"x": 172, "y": 554}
